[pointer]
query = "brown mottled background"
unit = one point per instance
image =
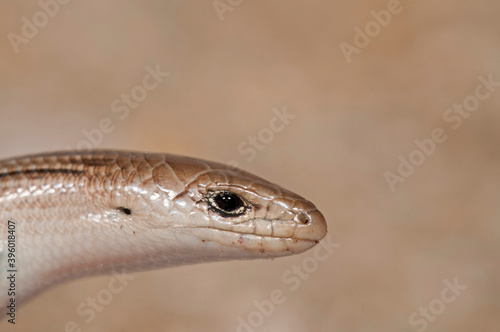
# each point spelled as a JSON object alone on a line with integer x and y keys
{"x": 352, "y": 123}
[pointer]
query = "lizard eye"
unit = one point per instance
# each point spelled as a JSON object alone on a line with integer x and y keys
{"x": 226, "y": 203}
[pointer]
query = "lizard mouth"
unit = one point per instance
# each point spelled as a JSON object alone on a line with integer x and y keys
{"x": 262, "y": 243}
{"x": 268, "y": 245}
{"x": 264, "y": 236}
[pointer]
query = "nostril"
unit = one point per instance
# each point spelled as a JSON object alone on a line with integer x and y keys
{"x": 303, "y": 219}
{"x": 310, "y": 225}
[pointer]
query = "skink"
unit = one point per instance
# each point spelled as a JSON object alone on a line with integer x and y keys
{"x": 75, "y": 214}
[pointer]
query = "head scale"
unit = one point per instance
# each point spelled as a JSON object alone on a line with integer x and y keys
{"x": 236, "y": 212}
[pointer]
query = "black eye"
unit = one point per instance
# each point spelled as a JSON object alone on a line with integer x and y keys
{"x": 226, "y": 203}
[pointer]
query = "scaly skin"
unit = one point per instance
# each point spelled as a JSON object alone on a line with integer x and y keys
{"x": 78, "y": 214}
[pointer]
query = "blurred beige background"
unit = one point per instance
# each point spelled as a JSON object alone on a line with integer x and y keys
{"x": 353, "y": 121}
